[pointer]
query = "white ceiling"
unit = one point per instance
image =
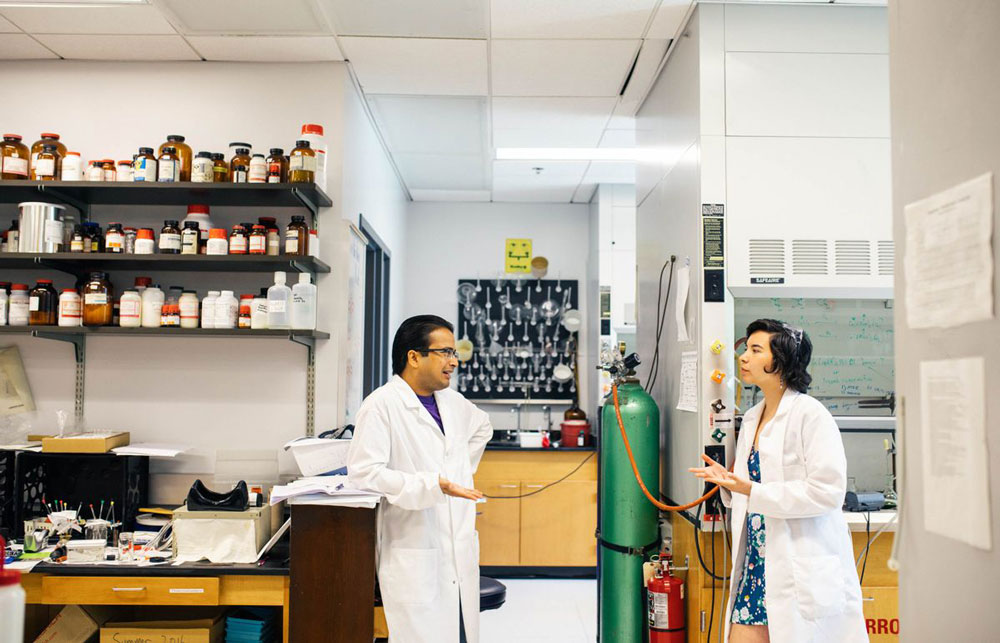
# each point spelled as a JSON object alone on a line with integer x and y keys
{"x": 447, "y": 81}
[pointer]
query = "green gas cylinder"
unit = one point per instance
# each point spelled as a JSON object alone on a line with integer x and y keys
{"x": 627, "y": 520}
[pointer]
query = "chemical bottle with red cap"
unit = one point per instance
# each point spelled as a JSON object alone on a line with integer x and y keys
{"x": 11, "y": 600}
{"x": 313, "y": 133}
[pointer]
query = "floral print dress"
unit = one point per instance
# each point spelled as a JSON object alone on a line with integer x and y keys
{"x": 749, "y": 606}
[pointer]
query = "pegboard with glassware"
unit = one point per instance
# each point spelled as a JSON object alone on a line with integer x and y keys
{"x": 518, "y": 338}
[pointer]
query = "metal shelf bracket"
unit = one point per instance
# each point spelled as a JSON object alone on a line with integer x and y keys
{"x": 307, "y": 203}
{"x": 82, "y": 206}
{"x": 80, "y": 353}
{"x": 310, "y": 344}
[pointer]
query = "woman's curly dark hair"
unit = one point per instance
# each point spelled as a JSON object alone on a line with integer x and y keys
{"x": 791, "y": 350}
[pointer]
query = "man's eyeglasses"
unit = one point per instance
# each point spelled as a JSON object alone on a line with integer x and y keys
{"x": 447, "y": 353}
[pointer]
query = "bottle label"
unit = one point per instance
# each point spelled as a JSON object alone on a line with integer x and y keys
{"x": 273, "y": 243}
{"x": 33, "y": 304}
{"x": 276, "y": 306}
{"x": 292, "y": 242}
{"x": 202, "y": 171}
{"x": 258, "y": 173}
{"x": 143, "y": 246}
{"x": 170, "y": 241}
{"x": 45, "y": 167}
{"x": 189, "y": 243}
{"x": 95, "y": 299}
{"x": 189, "y": 309}
{"x": 70, "y": 308}
{"x": 167, "y": 171}
{"x": 76, "y": 245}
{"x": 130, "y": 309}
{"x": 274, "y": 173}
{"x": 14, "y": 165}
{"x": 258, "y": 245}
{"x": 303, "y": 162}
{"x": 217, "y": 246}
{"x": 114, "y": 242}
{"x": 237, "y": 245}
{"x": 95, "y": 173}
{"x": 53, "y": 232}
{"x": 109, "y": 175}
{"x": 146, "y": 171}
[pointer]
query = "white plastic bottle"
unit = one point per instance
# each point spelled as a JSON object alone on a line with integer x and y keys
{"x": 189, "y": 309}
{"x": 129, "y": 309}
{"x": 11, "y": 601}
{"x": 19, "y": 302}
{"x": 304, "y": 304}
{"x": 258, "y": 314}
{"x": 227, "y": 310}
{"x": 314, "y": 134}
{"x": 279, "y": 299}
{"x": 71, "y": 308}
{"x": 152, "y": 306}
{"x": 3, "y": 306}
{"x": 208, "y": 309}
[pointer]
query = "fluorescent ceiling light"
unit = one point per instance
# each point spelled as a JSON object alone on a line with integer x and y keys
{"x": 570, "y": 153}
{"x": 69, "y": 3}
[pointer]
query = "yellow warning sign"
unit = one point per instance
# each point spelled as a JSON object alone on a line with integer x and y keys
{"x": 517, "y": 257}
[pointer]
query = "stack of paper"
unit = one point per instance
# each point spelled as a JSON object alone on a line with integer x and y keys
{"x": 324, "y": 490}
{"x": 150, "y": 449}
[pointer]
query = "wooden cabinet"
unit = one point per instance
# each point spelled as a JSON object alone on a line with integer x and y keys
{"x": 558, "y": 524}
{"x": 499, "y": 524}
{"x": 881, "y": 608}
{"x": 554, "y": 525}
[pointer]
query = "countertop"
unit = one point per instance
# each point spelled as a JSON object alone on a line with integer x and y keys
{"x": 513, "y": 446}
{"x": 856, "y": 520}
{"x": 275, "y": 564}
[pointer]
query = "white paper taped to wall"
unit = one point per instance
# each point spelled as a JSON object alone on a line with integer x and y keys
{"x": 680, "y": 306}
{"x": 687, "y": 395}
{"x": 953, "y": 442}
{"x": 949, "y": 257}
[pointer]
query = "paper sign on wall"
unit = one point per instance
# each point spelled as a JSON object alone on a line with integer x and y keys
{"x": 517, "y": 256}
{"x": 687, "y": 389}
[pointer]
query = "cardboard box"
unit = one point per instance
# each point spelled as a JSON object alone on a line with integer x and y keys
{"x": 85, "y": 442}
{"x": 206, "y": 630}
{"x": 74, "y": 624}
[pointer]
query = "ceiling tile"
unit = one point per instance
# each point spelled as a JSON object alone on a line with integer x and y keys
{"x": 512, "y": 191}
{"x": 668, "y": 19}
{"x": 644, "y": 73}
{"x": 267, "y": 48}
{"x": 442, "y": 172}
{"x": 129, "y": 48}
{"x": 418, "y": 65}
{"x": 17, "y": 46}
{"x": 542, "y": 172}
{"x": 405, "y": 18}
{"x": 476, "y": 196}
{"x": 560, "y": 67}
{"x": 584, "y": 193}
{"x": 132, "y": 20}
{"x": 610, "y": 172}
{"x": 570, "y": 18}
{"x": 432, "y": 124}
{"x": 6, "y": 26}
{"x": 550, "y": 122}
{"x": 249, "y": 17}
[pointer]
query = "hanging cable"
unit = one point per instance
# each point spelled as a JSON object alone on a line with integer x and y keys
{"x": 661, "y": 318}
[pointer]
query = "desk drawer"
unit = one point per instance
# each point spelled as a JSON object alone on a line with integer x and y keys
{"x": 124, "y": 590}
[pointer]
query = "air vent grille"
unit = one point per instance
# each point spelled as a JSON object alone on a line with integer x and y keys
{"x": 767, "y": 257}
{"x": 886, "y": 258}
{"x": 809, "y": 257}
{"x": 853, "y": 257}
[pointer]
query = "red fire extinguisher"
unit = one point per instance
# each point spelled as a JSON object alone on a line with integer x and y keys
{"x": 665, "y": 595}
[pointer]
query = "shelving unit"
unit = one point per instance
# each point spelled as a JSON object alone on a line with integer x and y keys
{"x": 83, "y": 195}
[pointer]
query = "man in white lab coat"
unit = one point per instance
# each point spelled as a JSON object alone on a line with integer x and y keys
{"x": 418, "y": 442}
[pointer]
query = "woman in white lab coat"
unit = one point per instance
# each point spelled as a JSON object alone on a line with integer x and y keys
{"x": 420, "y": 453}
{"x": 793, "y": 577}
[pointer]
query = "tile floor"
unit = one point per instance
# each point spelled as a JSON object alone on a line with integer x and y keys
{"x": 549, "y": 610}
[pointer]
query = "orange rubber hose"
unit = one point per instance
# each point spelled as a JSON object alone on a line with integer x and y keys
{"x": 635, "y": 469}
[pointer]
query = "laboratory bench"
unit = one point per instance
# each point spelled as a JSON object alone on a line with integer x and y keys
{"x": 879, "y": 588}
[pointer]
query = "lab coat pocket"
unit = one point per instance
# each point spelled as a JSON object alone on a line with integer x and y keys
{"x": 819, "y": 585}
{"x": 413, "y": 575}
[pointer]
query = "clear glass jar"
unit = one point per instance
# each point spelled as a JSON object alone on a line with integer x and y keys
{"x": 130, "y": 236}
{"x": 98, "y": 300}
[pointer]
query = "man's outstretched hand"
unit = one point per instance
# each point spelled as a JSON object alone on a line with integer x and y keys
{"x": 451, "y": 489}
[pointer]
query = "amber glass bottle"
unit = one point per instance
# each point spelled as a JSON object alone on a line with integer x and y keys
{"x": 239, "y": 166}
{"x": 14, "y": 158}
{"x": 184, "y": 156}
{"x": 302, "y": 164}
{"x": 98, "y": 300}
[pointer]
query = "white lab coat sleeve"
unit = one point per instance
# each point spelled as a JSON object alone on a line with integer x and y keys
{"x": 824, "y": 483}
{"x": 367, "y": 466}
{"x": 726, "y": 496}
{"x": 482, "y": 432}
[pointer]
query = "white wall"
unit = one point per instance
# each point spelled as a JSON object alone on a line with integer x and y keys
{"x": 451, "y": 241}
{"x": 218, "y": 396}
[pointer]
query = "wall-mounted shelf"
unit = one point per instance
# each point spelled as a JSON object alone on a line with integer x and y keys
{"x": 77, "y": 263}
{"x": 241, "y": 333}
{"x": 83, "y": 194}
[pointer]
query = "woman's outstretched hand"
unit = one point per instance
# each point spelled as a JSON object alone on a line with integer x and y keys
{"x": 715, "y": 473}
